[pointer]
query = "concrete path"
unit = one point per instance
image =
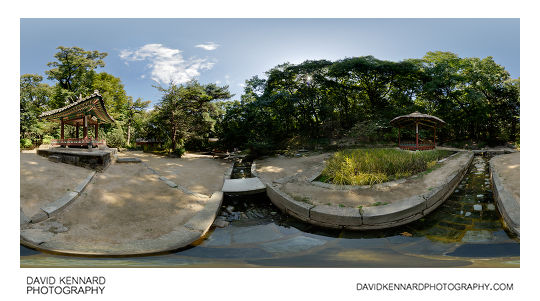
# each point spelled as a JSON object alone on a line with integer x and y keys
{"x": 505, "y": 171}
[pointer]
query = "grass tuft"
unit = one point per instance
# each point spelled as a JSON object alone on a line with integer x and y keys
{"x": 374, "y": 166}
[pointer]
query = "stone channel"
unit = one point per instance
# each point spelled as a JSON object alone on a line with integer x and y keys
{"x": 465, "y": 231}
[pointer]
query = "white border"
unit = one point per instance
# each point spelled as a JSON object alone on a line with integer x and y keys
{"x": 265, "y": 284}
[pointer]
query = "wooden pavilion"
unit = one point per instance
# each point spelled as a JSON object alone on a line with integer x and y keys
{"x": 417, "y": 119}
{"x": 85, "y": 112}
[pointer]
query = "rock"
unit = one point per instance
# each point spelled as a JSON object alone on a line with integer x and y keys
{"x": 220, "y": 223}
{"x": 128, "y": 160}
{"x": 55, "y": 158}
{"x": 24, "y": 218}
{"x": 56, "y": 227}
{"x": 273, "y": 213}
{"x": 467, "y": 213}
{"x": 171, "y": 184}
{"x": 477, "y": 236}
{"x": 479, "y": 195}
{"x": 229, "y": 209}
{"x": 491, "y": 207}
{"x": 38, "y": 217}
{"x": 244, "y": 216}
{"x": 457, "y": 190}
{"x": 477, "y": 207}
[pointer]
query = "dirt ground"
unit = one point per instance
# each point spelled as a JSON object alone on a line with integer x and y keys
{"x": 128, "y": 203}
{"x": 300, "y": 189}
{"x": 508, "y": 168}
{"x": 198, "y": 173}
{"x": 43, "y": 181}
{"x": 125, "y": 203}
{"x": 271, "y": 169}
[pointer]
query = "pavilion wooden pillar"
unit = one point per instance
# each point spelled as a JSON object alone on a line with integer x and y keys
{"x": 62, "y": 128}
{"x": 85, "y": 127}
{"x": 416, "y": 123}
{"x": 96, "y": 129}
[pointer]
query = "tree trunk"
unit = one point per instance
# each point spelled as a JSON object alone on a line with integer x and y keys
{"x": 128, "y": 134}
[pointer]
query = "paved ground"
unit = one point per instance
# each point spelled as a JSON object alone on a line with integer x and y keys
{"x": 127, "y": 209}
{"x": 508, "y": 169}
{"x": 198, "y": 173}
{"x": 43, "y": 181}
{"x": 300, "y": 189}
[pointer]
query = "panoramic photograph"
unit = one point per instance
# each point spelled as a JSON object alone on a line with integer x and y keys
{"x": 256, "y": 143}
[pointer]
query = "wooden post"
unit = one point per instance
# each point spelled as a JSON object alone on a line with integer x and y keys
{"x": 85, "y": 127}
{"x": 96, "y": 134}
{"x": 434, "y": 136}
{"x": 62, "y": 128}
{"x": 416, "y": 123}
{"x": 399, "y": 136}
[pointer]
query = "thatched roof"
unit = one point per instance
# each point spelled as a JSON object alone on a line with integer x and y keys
{"x": 91, "y": 105}
{"x": 417, "y": 117}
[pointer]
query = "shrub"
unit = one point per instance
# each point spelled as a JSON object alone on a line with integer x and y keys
{"x": 179, "y": 151}
{"x": 26, "y": 143}
{"x": 372, "y": 166}
{"x": 47, "y": 139}
{"x": 115, "y": 138}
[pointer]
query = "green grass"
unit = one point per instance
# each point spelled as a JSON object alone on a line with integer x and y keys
{"x": 373, "y": 166}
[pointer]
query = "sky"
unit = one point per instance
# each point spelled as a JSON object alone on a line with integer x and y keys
{"x": 144, "y": 53}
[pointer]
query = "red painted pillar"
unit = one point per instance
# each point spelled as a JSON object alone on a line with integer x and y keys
{"x": 96, "y": 135}
{"x": 85, "y": 127}
{"x": 62, "y": 128}
{"x": 416, "y": 123}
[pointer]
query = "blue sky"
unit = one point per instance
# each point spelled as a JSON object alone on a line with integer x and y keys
{"x": 146, "y": 52}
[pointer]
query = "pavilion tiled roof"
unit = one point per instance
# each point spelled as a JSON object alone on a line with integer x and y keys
{"x": 417, "y": 116}
{"x": 93, "y": 102}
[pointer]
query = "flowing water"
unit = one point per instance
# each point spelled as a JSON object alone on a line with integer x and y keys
{"x": 466, "y": 230}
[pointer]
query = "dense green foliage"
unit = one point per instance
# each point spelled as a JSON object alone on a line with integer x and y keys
{"x": 310, "y": 104}
{"x": 357, "y": 97}
{"x": 74, "y": 74}
{"x": 373, "y": 166}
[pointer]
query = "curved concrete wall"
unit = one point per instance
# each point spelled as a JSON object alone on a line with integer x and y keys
{"x": 506, "y": 203}
{"x": 376, "y": 217}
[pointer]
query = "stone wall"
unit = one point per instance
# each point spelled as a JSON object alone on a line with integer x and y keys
{"x": 375, "y": 217}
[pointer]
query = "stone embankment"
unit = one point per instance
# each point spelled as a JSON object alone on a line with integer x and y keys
{"x": 504, "y": 172}
{"x": 290, "y": 186}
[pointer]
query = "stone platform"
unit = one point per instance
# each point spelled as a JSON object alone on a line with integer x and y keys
{"x": 97, "y": 159}
{"x": 243, "y": 186}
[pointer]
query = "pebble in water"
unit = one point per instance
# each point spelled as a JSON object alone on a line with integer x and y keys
{"x": 477, "y": 207}
{"x": 490, "y": 207}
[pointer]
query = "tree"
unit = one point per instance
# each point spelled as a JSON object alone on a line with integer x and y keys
{"x": 34, "y": 98}
{"x": 184, "y": 109}
{"x": 132, "y": 110}
{"x": 74, "y": 71}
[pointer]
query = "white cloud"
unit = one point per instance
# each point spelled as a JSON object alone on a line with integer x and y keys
{"x": 167, "y": 64}
{"x": 208, "y": 46}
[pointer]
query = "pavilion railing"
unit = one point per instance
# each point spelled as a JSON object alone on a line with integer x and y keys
{"x": 77, "y": 141}
{"x": 413, "y": 146}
